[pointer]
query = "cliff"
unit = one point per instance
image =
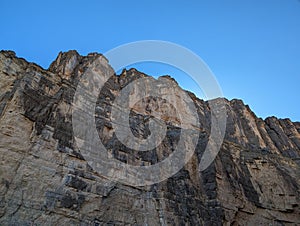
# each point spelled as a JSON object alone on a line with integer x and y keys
{"x": 45, "y": 179}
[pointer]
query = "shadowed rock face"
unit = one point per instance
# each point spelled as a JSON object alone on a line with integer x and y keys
{"x": 44, "y": 179}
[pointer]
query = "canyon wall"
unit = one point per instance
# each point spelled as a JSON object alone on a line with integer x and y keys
{"x": 45, "y": 180}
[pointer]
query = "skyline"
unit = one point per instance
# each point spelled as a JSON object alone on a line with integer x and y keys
{"x": 251, "y": 47}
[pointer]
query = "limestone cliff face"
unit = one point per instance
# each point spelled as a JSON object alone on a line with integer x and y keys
{"x": 45, "y": 180}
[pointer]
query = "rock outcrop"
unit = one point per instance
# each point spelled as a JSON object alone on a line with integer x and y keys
{"x": 45, "y": 180}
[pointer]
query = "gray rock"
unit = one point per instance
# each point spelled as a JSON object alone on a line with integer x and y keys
{"x": 45, "y": 180}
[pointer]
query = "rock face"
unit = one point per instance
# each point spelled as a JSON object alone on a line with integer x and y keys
{"x": 45, "y": 180}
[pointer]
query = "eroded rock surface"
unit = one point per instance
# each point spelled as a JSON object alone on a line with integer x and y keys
{"x": 45, "y": 180}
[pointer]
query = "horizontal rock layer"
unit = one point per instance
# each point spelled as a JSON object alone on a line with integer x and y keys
{"x": 45, "y": 180}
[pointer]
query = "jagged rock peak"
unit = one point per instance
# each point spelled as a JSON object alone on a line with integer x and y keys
{"x": 169, "y": 77}
{"x": 8, "y": 53}
{"x": 66, "y": 62}
{"x": 131, "y": 72}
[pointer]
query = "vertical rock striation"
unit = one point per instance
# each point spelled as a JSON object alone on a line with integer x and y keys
{"x": 44, "y": 179}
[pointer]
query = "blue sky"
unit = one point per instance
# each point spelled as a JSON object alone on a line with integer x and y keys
{"x": 252, "y": 47}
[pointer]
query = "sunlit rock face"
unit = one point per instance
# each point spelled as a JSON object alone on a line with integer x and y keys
{"x": 45, "y": 179}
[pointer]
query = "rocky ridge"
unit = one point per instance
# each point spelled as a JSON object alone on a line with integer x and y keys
{"x": 45, "y": 180}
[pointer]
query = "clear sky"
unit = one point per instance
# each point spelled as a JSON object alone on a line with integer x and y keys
{"x": 252, "y": 47}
